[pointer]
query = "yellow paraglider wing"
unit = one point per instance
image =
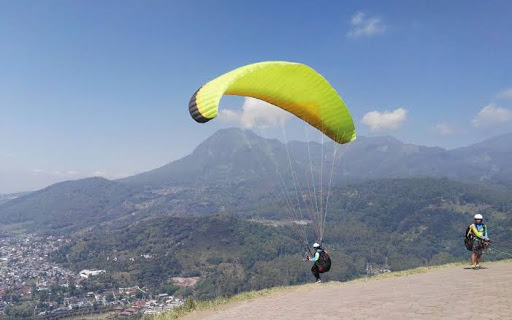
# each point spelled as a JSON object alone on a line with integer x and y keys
{"x": 293, "y": 87}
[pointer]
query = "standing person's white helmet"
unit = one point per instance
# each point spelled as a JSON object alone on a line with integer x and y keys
{"x": 316, "y": 245}
{"x": 478, "y": 216}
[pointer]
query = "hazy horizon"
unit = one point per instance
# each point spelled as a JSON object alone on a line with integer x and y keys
{"x": 54, "y": 180}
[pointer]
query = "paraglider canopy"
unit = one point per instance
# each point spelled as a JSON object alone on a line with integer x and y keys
{"x": 291, "y": 86}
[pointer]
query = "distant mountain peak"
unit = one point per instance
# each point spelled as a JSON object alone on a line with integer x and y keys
{"x": 92, "y": 181}
{"x": 229, "y": 137}
{"x": 235, "y": 154}
{"x": 233, "y": 132}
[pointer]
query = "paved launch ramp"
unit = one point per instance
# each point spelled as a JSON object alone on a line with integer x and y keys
{"x": 453, "y": 292}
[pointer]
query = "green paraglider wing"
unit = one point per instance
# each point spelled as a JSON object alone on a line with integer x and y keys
{"x": 293, "y": 87}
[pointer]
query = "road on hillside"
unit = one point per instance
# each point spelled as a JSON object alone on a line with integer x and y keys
{"x": 445, "y": 293}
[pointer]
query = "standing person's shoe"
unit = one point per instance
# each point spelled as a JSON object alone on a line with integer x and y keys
{"x": 318, "y": 281}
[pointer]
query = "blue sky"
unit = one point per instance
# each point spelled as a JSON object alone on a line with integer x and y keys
{"x": 102, "y": 87}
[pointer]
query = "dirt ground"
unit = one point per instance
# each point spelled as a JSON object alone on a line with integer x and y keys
{"x": 185, "y": 282}
{"x": 455, "y": 292}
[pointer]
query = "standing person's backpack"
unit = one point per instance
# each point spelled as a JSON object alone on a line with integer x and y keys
{"x": 324, "y": 262}
{"x": 468, "y": 240}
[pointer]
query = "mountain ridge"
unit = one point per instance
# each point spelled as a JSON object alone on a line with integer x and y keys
{"x": 371, "y": 158}
{"x": 237, "y": 170}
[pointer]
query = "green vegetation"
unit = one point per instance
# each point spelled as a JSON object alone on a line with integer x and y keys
{"x": 400, "y": 224}
{"x": 21, "y": 311}
{"x": 227, "y": 252}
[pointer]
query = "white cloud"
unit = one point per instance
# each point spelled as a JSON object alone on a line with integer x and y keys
{"x": 109, "y": 175}
{"x": 74, "y": 174}
{"x": 387, "y": 120}
{"x": 49, "y": 172}
{"x": 357, "y": 18}
{"x": 99, "y": 173}
{"x": 443, "y": 129}
{"x": 256, "y": 114}
{"x": 57, "y": 173}
{"x": 505, "y": 94}
{"x": 360, "y": 25}
{"x": 492, "y": 115}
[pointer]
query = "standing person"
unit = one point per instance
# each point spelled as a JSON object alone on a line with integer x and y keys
{"x": 478, "y": 234}
{"x": 321, "y": 262}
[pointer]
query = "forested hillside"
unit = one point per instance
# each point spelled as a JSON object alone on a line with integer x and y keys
{"x": 395, "y": 224}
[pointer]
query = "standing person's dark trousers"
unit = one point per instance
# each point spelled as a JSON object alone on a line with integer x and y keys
{"x": 316, "y": 271}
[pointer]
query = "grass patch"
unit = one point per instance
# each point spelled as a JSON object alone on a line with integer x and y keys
{"x": 191, "y": 305}
{"x": 103, "y": 316}
{"x": 422, "y": 270}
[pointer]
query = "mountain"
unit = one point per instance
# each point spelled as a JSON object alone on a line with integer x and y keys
{"x": 8, "y": 197}
{"x": 240, "y": 172}
{"x": 235, "y": 156}
{"x": 70, "y": 205}
{"x": 488, "y": 160}
{"x": 227, "y": 157}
